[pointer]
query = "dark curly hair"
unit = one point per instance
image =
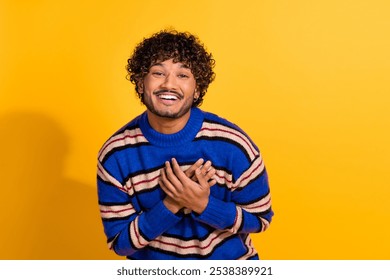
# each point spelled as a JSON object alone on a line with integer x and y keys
{"x": 181, "y": 47}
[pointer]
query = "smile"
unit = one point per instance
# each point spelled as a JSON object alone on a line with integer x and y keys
{"x": 168, "y": 97}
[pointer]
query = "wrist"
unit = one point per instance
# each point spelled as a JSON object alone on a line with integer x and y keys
{"x": 201, "y": 207}
{"x": 171, "y": 205}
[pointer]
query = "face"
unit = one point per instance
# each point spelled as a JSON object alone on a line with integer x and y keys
{"x": 169, "y": 90}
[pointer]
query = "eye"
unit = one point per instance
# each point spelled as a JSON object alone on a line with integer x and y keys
{"x": 157, "y": 73}
{"x": 183, "y": 76}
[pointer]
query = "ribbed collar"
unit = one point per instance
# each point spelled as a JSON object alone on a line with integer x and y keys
{"x": 185, "y": 135}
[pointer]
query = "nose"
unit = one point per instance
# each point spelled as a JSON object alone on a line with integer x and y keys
{"x": 169, "y": 82}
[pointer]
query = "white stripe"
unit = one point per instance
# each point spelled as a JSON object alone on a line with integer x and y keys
{"x": 143, "y": 181}
{"x": 105, "y": 176}
{"x": 251, "y": 249}
{"x": 184, "y": 247}
{"x": 111, "y": 243}
{"x": 224, "y": 178}
{"x": 238, "y": 221}
{"x": 254, "y": 170}
{"x": 265, "y": 224}
{"x": 146, "y": 181}
{"x": 259, "y": 206}
{"x": 116, "y": 211}
{"x": 228, "y": 133}
{"x": 136, "y": 238}
{"x": 127, "y": 137}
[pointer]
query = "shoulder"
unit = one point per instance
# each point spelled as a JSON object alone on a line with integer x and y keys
{"x": 220, "y": 124}
{"x": 213, "y": 118}
{"x": 128, "y": 135}
{"x": 221, "y": 129}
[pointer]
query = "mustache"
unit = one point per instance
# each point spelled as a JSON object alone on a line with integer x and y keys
{"x": 168, "y": 91}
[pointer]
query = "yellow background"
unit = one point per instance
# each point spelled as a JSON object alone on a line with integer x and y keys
{"x": 307, "y": 80}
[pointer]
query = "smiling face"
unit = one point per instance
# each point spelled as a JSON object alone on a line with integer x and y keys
{"x": 168, "y": 91}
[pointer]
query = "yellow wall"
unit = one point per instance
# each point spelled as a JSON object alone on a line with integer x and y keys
{"x": 308, "y": 81}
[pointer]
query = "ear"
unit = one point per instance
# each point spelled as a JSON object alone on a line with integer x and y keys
{"x": 140, "y": 85}
{"x": 196, "y": 94}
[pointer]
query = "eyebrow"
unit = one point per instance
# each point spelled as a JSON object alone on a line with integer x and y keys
{"x": 162, "y": 65}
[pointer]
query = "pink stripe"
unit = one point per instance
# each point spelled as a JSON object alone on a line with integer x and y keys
{"x": 235, "y": 219}
{"x": 120, "y": 139}
{"x": 269, "y": 200}
{"x": 263, "y": 226}
{"x": 230, "y": 181}
{"x": 253, "y": 171}
{"x": 223, "y": 177}
{"x": 192, "y": 246}
{"x": 137, "y": 234}
{"x": 118, "y": 186}
{"x": 119, "y": 211}
{"x": 145, "y": 181}
{"x": 251, "y": 248}
{"x": 229, "y": 132}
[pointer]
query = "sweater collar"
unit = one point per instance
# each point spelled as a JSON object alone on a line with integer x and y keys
{"x": 187, "y": 134}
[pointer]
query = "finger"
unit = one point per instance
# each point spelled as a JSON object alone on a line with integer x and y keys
{"x": 193, "y": 178}
{"x": 212, "y": 182}
{"x": 210, "y": 173}
{"x": 168, "y": 191}
{"x": 201, "y": 178}
{"x": 164, "y": 188}
{"x": 206, "y": 167}
{"x": 165, "y": 185}
{"x": 172, "y": 177}
{"x": 190, "y": 172}
{"x": 178, "y": 172}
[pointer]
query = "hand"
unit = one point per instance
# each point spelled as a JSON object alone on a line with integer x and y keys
{"x": 190, "y": 172}
{"x": 182, "y": 191}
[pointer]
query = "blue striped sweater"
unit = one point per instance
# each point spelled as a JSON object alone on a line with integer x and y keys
{"x": 137, "y": 223}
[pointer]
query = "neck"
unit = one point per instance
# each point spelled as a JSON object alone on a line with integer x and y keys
{"x": 167, "y": 125}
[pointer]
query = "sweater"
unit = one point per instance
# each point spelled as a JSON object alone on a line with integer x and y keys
{"x": 137, "y": 223}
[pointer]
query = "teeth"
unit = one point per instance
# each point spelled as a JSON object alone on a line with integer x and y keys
{"x": 169, "y": 97}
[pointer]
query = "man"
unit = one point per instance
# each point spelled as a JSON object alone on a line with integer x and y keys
{"x": 177, "y": 182}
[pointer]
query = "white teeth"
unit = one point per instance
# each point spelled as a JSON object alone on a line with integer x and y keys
{"x": 169, "y": 97}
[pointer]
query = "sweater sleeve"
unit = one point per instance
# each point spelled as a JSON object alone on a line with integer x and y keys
{"x": 127, "y": 228}
{"x": 249, "y": 209}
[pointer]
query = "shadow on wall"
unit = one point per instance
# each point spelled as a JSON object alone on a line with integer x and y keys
{"x": 42, "y": 214}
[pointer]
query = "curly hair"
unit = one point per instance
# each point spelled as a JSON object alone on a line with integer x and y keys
{"x": 182, "y": 47}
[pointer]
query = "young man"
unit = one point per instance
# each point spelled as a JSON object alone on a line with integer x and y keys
{"x": 177, "y": 182}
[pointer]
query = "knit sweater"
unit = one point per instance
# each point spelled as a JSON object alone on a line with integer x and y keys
{"x": 137, "y": 223}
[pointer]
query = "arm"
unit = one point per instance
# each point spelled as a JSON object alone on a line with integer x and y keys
{"x": 249, "y": 209}
{"x": 127, "y": 228}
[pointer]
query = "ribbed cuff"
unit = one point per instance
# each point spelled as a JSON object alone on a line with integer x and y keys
{"x": 157, "y": 220}
{"x": 218, "y": 214}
